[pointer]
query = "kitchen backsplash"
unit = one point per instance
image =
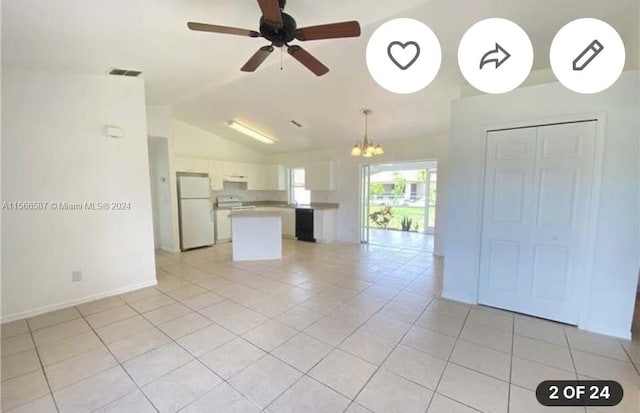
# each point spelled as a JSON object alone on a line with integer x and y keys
{"x": 240, "y": 189}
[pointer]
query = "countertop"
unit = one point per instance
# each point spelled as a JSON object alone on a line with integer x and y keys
{"x": 255, "y": 214}
{"x": 274, "y": 204}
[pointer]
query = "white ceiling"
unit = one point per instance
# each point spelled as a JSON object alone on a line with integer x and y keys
{"x": 198, "y": 73}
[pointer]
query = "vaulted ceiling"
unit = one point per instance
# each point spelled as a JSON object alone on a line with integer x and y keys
{"x": 198, "y": 73}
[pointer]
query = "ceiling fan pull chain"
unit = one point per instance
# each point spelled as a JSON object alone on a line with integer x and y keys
{"x": 281, "y": 59}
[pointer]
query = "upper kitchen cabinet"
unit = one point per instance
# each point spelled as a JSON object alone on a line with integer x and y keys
{"x": 195, "y": 165}
{"x": 276, "y": 178}
{"x": 320, "y": 176}
{"x": 235, "y": 169}
{"x": 216, "y": 175}
{"x": 256, "y": 177}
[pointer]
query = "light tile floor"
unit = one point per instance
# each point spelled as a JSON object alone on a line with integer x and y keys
{"x": 401, "y": 239}
{"x": 334, "y": 328}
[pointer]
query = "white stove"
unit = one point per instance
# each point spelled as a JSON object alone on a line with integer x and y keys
{"x": 233, "y": 202}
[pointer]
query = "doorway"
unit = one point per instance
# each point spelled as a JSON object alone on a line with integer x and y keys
{"x": 399, "y": 204}
{"x": 535, "y": 224}
{"x": 161, "y": 192}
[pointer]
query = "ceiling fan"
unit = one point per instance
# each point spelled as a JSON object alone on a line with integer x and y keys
{"x": 280, "y": 29}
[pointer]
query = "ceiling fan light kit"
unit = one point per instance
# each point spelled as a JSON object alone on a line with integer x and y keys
{"x": 250, "y": 132}
{"x": 281, "y": 29}
{"x": 366, "y": 147}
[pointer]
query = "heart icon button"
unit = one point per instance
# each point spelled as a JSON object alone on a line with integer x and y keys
{"x": 403, "y": 55}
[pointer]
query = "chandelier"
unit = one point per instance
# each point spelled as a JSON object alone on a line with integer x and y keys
{"x": 366, "y": 147}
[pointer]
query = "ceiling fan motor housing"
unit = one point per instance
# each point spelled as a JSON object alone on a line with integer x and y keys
{"x": 279, "y": 37}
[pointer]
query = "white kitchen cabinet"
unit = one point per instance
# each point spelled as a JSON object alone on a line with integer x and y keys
{"x": 288, "y": 223}
{"x": 320, "y": 176}
{"x": 276, "y": 178}
{"x": 223, "y": 226}
{"x": 235, "y": 169}
{"x": 324, "y": 225}
{"x": 188, "y": 164}
{"x": 256, "y": 177}
{"x": 215, "y": 175}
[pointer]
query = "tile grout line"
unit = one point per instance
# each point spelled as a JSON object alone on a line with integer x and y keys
{"x": 399, "y": 341}
{"x": 194, "y": 358}
{"x": 336, "y": 347}
{"x": 121, "y": 365}
{"x": 44, "y": 373}
{"x": 513, "y": 339}
{"x": 573, "y": 361}
{"x": 633, "y": 362}
{"x": 435, "y": 391}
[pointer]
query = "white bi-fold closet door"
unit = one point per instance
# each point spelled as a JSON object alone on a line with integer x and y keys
{"x": 537, "y": 194}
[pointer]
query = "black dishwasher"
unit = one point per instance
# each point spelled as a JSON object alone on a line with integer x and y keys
{"x": 304, "y": 224}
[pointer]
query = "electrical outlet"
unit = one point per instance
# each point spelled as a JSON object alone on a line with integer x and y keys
{"x": 76, "y": 276}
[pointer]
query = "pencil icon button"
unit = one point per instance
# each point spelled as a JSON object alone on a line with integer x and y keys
{"x": 587, "y": 55}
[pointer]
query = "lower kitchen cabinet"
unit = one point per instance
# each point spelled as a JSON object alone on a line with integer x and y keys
{"x": 324, "y": 225}
{"x": 289, "y": 223}
{"x": 223, "y": 226}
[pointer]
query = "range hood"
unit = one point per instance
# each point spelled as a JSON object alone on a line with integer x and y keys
{"x": 235, "y": 178}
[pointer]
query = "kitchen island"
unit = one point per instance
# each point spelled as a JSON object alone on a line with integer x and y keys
{"x": 256, "y": 235}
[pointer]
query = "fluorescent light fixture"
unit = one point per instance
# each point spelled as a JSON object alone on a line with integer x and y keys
{"x": 250, "y": 132}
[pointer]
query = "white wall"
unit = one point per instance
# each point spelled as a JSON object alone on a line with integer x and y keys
{"x": 348, "y": 179}
{"x": 189, "y": 140}
{"x": 54, "y": 149}
{"x": 611, "y": 294}
{"x": 159, "y": 121}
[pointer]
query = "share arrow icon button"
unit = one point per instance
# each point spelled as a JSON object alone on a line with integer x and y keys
{"x": 498, "y": 56}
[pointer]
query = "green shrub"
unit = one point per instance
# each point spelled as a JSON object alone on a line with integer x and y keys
{"x": 406, "y": 224}
{"x": 382, "y": 217}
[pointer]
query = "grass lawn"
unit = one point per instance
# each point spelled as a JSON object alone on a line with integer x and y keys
{"x": 414, "y": 213}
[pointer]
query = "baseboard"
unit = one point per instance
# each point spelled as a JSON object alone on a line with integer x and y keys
{"x": 71, "y": 303}
{"x": 625, "y": 335}
{"x": 459, "y": 297}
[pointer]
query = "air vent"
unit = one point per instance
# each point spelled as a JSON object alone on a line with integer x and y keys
{"x": 124, "y": 72}
{"x": 295, "y": 123}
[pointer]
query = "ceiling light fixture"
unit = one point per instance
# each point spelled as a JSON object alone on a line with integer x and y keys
{"x": 250, "y": 132}
{"x": 366, "y": 148}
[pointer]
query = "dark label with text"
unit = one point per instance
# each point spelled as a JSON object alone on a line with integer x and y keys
{"x": 579, "y": 393}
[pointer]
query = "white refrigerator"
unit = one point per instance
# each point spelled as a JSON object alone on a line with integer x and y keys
{"x": 196, "y": 212}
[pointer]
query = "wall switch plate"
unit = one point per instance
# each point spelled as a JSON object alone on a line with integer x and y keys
{"x": 76, "y": 276}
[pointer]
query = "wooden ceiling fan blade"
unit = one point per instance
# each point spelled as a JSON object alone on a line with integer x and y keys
{"x": 257, "y": 59}
{"x": 308, "y": 60}
{"x": 212, "y": 28}
{"x": 329, "y": 31}
{"x": 271, "y": 12}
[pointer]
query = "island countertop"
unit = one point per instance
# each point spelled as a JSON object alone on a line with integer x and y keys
{"x": 319, "y": 206}
{"x": 255, "y": 214}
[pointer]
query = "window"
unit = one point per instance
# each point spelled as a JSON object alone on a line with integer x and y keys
{"x": 297, "y": 192}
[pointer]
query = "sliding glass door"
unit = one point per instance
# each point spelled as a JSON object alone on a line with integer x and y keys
{"x": 431, "y": 198}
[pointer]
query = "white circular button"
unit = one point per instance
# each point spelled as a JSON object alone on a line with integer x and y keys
{"x": 495, "y": 55}
{"x": 404, "y": 56}
{"x": 587, "y": 56}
